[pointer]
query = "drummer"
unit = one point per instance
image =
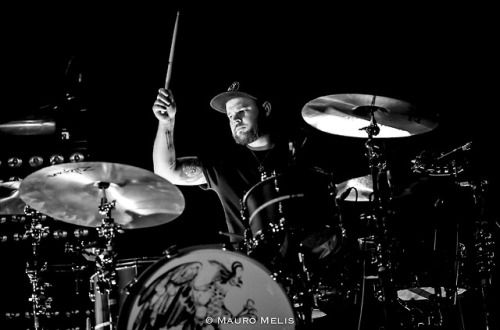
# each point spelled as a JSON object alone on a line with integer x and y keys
{"x": 258, "y": 152}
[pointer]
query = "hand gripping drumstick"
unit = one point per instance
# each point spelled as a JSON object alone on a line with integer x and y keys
{"x": 171, "y": 58}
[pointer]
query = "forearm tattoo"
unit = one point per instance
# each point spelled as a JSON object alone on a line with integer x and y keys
{"x": 170, "y": 139}
{"x": 191, "y": 168}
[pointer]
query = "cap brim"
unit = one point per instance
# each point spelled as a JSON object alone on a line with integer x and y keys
{"x": 219, "y": 101}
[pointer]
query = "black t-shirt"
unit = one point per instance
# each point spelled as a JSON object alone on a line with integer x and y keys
{"x": 233, "y": 173}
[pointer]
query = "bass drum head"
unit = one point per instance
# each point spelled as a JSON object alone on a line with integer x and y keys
{"x": 205, "y": 287}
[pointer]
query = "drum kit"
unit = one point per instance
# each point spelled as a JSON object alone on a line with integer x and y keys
{"x": 296, "y": 262}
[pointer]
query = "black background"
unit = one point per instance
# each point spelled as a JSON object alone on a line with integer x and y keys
{"x": 441, "y": 60}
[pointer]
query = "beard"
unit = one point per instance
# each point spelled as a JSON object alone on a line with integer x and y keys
{"x": 247, "y": 137}
{"x": 257, "y": 130}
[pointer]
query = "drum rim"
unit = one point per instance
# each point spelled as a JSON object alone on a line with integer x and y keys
{"x": 275, "y": 176}
{"x": 122, "y": 320}
{"x": 65, "y": 268}
{"x": 245, "y": 196}
{"x": 270, "y": 202}
{"x": 139, "y": 260}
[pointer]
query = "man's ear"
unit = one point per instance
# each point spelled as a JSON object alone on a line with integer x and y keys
{"x": 267, "y": 108}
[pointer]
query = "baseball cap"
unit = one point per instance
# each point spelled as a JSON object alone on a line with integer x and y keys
{"x": 220, "y": 100}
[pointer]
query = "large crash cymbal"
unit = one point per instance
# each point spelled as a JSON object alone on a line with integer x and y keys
{"x": 348, "y": 114}
{"x": 10, "y": 202}
{"x": 70, "y": 193}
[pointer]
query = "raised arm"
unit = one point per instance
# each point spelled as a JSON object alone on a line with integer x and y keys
{"x": 180, "y": 171}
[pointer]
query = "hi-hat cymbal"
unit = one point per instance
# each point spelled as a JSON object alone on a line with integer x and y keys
{"x": 71, "y": 193}
{"x": 348, "y": 114}
{"x": 359, "y": 189}
{"x": 10, "y": 202}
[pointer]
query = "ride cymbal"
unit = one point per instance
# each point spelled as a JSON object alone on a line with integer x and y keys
{"x": 71, "y": 193}
{"x": 349, "y": 114}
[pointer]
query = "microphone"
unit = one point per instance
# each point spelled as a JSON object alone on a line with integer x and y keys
{"x": 465, "y": 147}
{"x": 295, "y": 146}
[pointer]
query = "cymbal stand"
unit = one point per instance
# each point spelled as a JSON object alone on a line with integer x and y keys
{"x": 78, "y": 250}
{"x": 378, "y": 169}
{"x": 33, "y": 269}
{"x": 484, "y": 248}
{"x": 106, "y": 277}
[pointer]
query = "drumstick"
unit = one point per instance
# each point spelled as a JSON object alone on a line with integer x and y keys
{"x": 171, "y": 58}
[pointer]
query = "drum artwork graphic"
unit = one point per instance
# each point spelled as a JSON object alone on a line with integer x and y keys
{"x": 207, "y": 289}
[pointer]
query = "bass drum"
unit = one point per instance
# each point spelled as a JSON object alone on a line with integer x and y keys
{"x": 206, "y": 287}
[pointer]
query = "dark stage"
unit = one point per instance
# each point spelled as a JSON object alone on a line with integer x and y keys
{"x": 94, "y": 97}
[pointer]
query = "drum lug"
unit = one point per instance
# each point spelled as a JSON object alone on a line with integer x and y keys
{"x": 243, "y": 210}
{"x": 276, "y": 186}
{"x": 130, "y": 286}
{"x": 171, "y": 251}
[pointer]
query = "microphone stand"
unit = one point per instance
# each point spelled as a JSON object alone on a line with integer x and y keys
{"x": 377, "y": 169}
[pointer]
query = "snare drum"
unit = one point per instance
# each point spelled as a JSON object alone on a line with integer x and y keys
{"x": 293, "y": 209}
{"x": 203, "y": 286}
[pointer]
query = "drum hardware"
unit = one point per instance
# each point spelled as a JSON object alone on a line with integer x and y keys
{"x": 171, "y": 251}
{"x": 255, "y": 238}
{"x": 47, "y": 308}
{"x": 237, "y": 242}
{"x": 106, "y": 278}
{"x": 299, "y": 289}
{"x": 308, "y": 294}
{"x": 69, "y": 192}
{"x": 302, "y": 289}
{"x": 435, "y": 166}
{"x": 127, "y": 272}
{"x": 380, "y": 199}
{"x": 78, "y": 248}
{"x": 484, "y": 248}
{"x": 266, "y": 234}
{"x": 291, "y": 228}
{"x": 38, "y": 298}
{"x": 371, "y": 117}
{"x": 41, "y": 303}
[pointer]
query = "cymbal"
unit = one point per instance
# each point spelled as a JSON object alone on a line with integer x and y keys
{"x": 10, "y": 202}
{"x": 363, "y": 185}
{"x": 348, "y": 114}
{"x": 29, "y": 127}
{"x": 70, "y": 192}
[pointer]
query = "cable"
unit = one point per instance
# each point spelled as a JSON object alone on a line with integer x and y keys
{"x": 460, "y": 314}
{"x": 363, "y": 285}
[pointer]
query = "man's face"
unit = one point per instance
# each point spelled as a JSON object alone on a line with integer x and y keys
{"x": 243, "y": 114}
